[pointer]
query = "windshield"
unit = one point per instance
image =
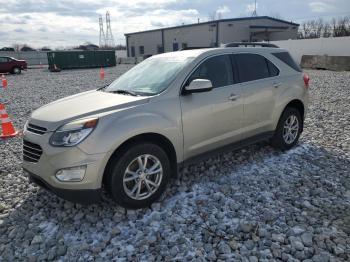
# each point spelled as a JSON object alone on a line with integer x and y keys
{"x": 150, "y": 77}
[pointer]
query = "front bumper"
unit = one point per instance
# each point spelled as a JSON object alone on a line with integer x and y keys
{"x": 53, "y": 159}
{"x": 83, "y": 196}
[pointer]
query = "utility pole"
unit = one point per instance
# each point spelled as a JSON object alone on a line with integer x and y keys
{"x": 102, "y": 33}
{"x": 109, "y": 35}
{"x": 254, "y": 14}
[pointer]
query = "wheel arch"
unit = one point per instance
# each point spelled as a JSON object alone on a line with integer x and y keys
{"x": 155, "y": 138}
{"x": 297, "y": 104}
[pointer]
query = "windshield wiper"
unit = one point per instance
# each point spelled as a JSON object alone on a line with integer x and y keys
{"x": 125, "y": 92}
{"x": 102, "y": 88}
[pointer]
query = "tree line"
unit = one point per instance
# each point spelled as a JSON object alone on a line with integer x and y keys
{"x": 85, "y": 46}
{"x": 317, "y": 28}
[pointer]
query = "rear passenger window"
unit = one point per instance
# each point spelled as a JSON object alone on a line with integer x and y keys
{"x": 287, "y": 59}
{"x": 251, "y": 67}
{"x": 3, "y": 60}
{"x": 273, "y": 70}
{"x": 217, "y": 69}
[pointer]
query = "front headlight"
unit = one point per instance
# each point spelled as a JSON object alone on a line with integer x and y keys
{"x": 73, "y": 133}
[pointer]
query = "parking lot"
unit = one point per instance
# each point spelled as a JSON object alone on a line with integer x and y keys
{"x": 253, "y": 204}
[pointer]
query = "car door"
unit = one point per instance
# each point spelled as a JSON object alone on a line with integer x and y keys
{"x": 258, "y": 86}
{"x": 212, "y": 119}
{"x": 3, "y": 64}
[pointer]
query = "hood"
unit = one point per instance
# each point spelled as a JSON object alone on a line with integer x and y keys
{"x": 19, "y": 60}
{"x": 81, "y": 105}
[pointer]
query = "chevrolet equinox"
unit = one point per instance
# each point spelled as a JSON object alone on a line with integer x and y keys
{"x": 131, "y": 136}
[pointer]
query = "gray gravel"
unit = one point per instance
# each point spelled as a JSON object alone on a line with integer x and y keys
{"x": 256, "y": 204}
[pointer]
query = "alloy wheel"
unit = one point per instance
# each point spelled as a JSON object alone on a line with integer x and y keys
{"x": 142, "y": 177}
{"x": 290, "y": 129}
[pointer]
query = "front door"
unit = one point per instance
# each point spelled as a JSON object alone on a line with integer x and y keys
{"x": 175, "y": 46}
{"x": 212, "y": 119}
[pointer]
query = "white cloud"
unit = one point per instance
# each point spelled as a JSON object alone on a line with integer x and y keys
{"x": 67, "y": 23}
{"x": 321, "y": 7}
{"x": 224, "y": 9}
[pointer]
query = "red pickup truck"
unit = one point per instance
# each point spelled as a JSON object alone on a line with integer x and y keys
{"x": 12, "y": 65}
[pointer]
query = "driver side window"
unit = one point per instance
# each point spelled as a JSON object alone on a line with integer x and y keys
{"x": 217, "y": 69}
{"x": 3, "y": 60}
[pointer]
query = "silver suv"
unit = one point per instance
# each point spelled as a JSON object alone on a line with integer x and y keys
{"x": 131, "y": 136}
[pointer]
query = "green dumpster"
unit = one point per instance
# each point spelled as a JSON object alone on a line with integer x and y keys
{"x": 80, "y": 59}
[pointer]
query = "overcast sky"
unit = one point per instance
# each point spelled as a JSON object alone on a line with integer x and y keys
{"x": 72, "y": 22}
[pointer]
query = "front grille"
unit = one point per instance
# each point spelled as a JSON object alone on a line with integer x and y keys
{"x": 31, "y": 152}
{"x": 36, "y": 129}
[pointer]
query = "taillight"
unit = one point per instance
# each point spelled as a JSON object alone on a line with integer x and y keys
{"x": 306, "y": 80}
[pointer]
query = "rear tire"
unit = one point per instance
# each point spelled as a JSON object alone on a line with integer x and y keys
{"x": 288, "y": 129}
{"x": 138, "y": 176}
{"x": 16, "y": 70}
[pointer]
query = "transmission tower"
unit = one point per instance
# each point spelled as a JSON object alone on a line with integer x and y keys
{"x": 255, "y": 14}
{"x": 109, "y": 35}
{"x": 102, "y": 33}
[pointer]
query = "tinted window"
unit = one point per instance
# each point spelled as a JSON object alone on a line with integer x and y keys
{"x": 287, "y": 59}
{"x": 273, "y": 70}
{"x": 251, "y": 67}
{"x": 3, "y": 60}
{"x": 217, "y": 69}
{"x": 142, "y": 50}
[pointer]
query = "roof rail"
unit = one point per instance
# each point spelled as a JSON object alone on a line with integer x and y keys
{"x": 248, "y": 44}
{"x": 195, "y": 47}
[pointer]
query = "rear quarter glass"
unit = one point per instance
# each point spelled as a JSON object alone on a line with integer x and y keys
{"x": 286, "y": 58}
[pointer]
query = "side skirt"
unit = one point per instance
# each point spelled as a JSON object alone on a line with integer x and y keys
{"x": 228, "y": 148}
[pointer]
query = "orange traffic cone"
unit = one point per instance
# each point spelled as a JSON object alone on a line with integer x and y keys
{"x": 3, "y": 81}
{"x": 8, "y": 129}
{"x": 102, "y": 73}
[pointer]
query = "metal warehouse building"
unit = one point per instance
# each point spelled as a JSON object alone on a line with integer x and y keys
{"x": 209, "y": 34}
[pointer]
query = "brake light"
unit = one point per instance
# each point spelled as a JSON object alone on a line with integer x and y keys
{"x": 306, "y": 80}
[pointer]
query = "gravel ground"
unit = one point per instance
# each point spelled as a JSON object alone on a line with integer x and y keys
{"x": 256, "y": 204}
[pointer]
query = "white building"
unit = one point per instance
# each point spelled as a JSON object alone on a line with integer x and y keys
{"x": 209, "y": 34}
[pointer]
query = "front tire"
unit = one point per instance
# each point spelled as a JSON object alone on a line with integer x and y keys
{"x": 288, "y": 129}
{"x": 139, "y": 176}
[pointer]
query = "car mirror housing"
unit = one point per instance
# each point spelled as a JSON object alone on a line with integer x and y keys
{"x": 198, "y": 86}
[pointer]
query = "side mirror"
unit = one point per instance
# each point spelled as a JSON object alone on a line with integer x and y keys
{"x": 198, "y": 86}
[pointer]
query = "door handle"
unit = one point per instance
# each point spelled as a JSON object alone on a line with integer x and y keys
{"x": 233, "y": 97}
{"x": 277, "y": 85}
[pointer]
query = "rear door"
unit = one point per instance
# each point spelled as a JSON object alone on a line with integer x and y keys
{"x": 212, "y": 119}
{"x": 4, "y": 65}
{"x": 259, "y": 79}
